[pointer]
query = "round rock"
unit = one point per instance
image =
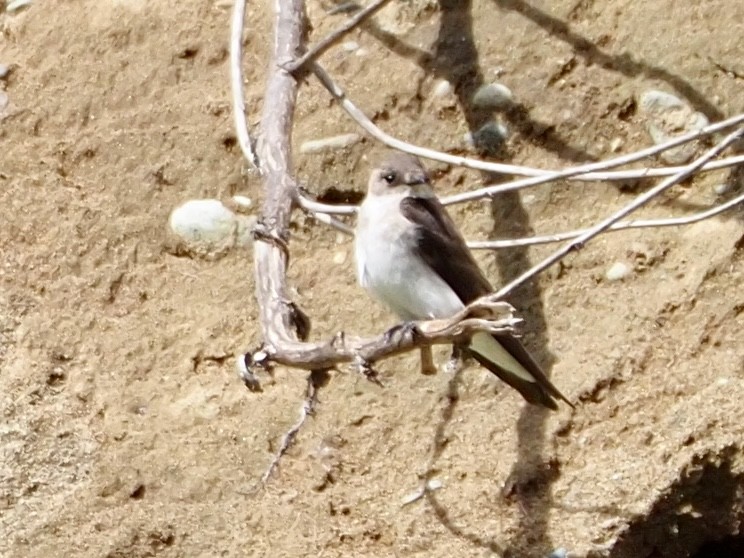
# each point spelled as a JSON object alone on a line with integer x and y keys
{"x": 208, "y": 226}
{"x": 668, "y": 116}
{"x": 493, "y": 95}
{"x": 618, "y": 271}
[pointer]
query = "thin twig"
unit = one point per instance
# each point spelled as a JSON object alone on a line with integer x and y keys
{"x": 632, "y": 174}
{"x": 313, "y": 206}
{"x": 605, "y": 224}
{"x": 586, "y": 171}
{"x": 325, "y": 43}
{"x": 327, "y": 219}
{"x": 236, "y": 83}
{"x": 307, "y": 409}
{"x": 624, "y": 225}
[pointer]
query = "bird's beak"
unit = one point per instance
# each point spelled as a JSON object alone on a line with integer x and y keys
{"x": 414, "y": 179}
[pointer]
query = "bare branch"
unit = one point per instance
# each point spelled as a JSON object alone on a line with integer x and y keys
{"x": 586, "y": 171}
{"x": 325, "y": 43}
{"x": 605, "y": 224}
{"x": 485, "y": 314}
{"x": 623, "y": 225}
{"x": 236, "y": 83}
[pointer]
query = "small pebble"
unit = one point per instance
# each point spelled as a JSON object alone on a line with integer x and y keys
{"x": 329, "y": 144}
{"x": 442, "y": 88}
{"x": 16, "y": 5}
{"x": 434, "y": 484}
{"x": 558, "y": 553}
{"x": 350, "y": 46}
{"x": 667, "y": 117}
{"x": 339, "y": 257}
{"x": 492, "y": 95}
{"x": 617, "y": 272}
{"x": 616, "y": 144}
{"x": 243, "y": 201}
{"x": 4, "y": 71}
{"x": 490, "y": 136}
{"x": 412, "y": 497}
{"x": 361, "y": 52}
{"x": 721, "y": 189}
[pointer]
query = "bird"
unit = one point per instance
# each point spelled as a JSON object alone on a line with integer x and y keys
{"x": 411, "y": 257}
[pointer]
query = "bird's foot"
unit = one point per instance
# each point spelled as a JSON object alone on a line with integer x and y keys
{"x": 399, "y": 333}
{"x": 455, "y": 362}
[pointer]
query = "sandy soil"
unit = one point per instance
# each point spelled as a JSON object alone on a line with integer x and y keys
{"x": 125, "y": 430}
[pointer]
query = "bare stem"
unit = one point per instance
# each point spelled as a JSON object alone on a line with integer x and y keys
{"x": 236, "y": 83}
{"x": 624, "y": 225}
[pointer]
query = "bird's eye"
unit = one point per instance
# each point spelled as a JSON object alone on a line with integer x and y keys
{"x": 389, "y": 177}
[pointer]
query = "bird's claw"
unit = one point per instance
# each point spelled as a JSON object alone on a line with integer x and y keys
{"x": 398, "y": 333}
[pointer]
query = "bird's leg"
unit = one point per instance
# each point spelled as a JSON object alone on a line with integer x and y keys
{"x": 456, "y": 360}
{"x": 428, "y": 368}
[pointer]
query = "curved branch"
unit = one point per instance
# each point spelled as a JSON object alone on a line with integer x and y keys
{"x": 236, "y": 83}
{"x": 586, "y": 171}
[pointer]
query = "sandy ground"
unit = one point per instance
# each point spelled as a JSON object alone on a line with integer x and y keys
{"x": 125, "y": 431}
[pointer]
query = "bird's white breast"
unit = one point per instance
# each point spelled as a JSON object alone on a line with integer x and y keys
{"x": 390, "y": 269}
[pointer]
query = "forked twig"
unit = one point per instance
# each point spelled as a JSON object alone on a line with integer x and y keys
{"x": 325, "y": 43}
{"x": 578, "y": 242}
{"x": 315, "y": 381}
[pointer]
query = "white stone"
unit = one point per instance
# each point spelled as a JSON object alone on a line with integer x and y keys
{"x": 667, "y": 117}
{"x": 434, "y": 484}
{"x": 442, "y": 88}
{"x": 618, "y": 271}
{"x": 339, "y": 257}
{"x": 721, "y": 189}
{"x": 330, "y": 144}
{"x": 616, "y": 144}
{"x": 208, "y": 225}
{"x": 4, "y": 71}
{"x": 350, "y": 46}
{"x": 242, "y": 201}
{"x": 492, "y": 95}
{"x": 17, "y": 5}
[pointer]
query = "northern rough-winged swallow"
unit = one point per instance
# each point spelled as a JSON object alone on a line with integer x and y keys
{"x": 411, "y": 257}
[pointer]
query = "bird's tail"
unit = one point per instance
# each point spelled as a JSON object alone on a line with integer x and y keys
{"x": 509, "y": 360}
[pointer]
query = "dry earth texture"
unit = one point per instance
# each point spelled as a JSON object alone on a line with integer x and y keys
{"x": 125, "y": 430}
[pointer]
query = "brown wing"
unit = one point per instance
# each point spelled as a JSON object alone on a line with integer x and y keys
{"x": 440, "y": 245}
